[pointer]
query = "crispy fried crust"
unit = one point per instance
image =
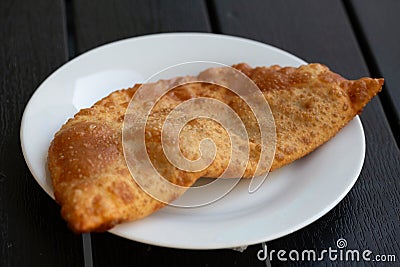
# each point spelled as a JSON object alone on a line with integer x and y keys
{"x": 310, "y": 105}
{"x": 92, "y": 183}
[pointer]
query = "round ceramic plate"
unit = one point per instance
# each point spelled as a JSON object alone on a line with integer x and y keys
{"x": 288, "y": 200}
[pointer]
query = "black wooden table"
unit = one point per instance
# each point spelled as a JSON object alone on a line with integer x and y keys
{"x": 355, "y": 38}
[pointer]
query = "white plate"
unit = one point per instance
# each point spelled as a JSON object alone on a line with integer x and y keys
{"x": 289, "y": 199}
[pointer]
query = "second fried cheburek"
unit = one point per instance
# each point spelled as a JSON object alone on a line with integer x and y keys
{"x": 90, "y": 177}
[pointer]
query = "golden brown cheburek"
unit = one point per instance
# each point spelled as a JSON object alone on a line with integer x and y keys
{"x": 93, "y": 185}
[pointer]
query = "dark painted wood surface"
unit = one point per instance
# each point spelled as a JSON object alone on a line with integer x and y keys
{"x": 32, "y": 45}
{"x": 378, "y": 26}
{"x": 106, "y": 21}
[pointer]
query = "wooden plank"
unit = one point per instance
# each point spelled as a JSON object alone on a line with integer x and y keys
{"x": 313, "y": 32}
{"x": 106, "y": 21}
{"x": 32, "y": 233}
{"x": 110, "y": 250}
{"x": 379, "y": 32}
{"x": 321, "y": 32}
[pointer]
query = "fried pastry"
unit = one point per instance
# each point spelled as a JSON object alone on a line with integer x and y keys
{"x": 90, "y": 177}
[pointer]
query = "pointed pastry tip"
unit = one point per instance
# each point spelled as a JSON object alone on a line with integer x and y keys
{"x": 362, "y": 91}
